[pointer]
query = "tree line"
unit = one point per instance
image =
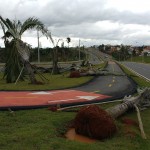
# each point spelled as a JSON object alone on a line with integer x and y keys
{"x": 46, "y": 54}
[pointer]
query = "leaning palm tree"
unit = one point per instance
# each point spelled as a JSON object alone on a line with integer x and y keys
{"x": 17, "y": 51}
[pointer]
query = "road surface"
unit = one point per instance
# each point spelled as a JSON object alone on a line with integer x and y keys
{"x": 112, "y": 85}
{"x": 140, "y": 68}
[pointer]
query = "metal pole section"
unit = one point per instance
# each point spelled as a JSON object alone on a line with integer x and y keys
{"x": 79, "y": 49}
{"x": 38, "y": 46}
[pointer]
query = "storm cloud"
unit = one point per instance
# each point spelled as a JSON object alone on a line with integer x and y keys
{"x": 93, "y": 21}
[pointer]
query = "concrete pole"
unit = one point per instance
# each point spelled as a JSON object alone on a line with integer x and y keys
{"x": 79, "y": 50}
{"x": 38, "y": 46}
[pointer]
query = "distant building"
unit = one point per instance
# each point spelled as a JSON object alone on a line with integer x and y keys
{"x": 146, "y": 51}
{"x": 148, "y": 54}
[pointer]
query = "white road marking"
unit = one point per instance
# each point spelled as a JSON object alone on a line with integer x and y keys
{"x": 110, "y": 85}
{"x": 78, "y": 97}
{"x": 40, "y": 93}
{"x": 87, "y": 97}
{"x": 50, "y": 93}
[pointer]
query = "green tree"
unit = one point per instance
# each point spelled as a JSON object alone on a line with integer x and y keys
{"x": 68, "y": 41}
{"x": 124, "y": 52}
{"x": 18, "y": 52}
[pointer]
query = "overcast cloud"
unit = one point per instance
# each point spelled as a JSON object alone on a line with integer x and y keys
{"x": 92, "y": 21}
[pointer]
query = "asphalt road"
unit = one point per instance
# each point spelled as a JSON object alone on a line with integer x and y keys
{"x": 112, "y": 85}
{"x": 102, "y": 56}
{"x": 140, "y": 68}
{"x": 94, "y": 56}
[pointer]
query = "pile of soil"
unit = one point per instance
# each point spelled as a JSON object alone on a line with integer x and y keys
{"x": 52, "y": 108}
{"x": 128, "y": 127}
{"x": 94, "y": 122}
{"x": 74, "y": 74}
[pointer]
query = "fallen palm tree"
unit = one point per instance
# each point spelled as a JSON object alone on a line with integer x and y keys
{"x": 94, "y": 122}
{"x": 92, "y": 72}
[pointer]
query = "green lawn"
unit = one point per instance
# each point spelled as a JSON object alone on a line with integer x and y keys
{"x": 141, "y": 59}
{"x": 55, "y": 82}
{"x": 60, "y": 81}
{"x": 41, "y": 129}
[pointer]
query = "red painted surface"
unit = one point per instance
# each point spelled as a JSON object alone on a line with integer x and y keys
{"x": 36, "y": 98}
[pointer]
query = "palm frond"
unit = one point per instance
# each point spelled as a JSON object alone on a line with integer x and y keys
{"x": 10, "y": 33}
{"x": 11, "y": 28}
{"x": 4, "y": 22}
{"x": 18, "y": 26}
{"x": 50, "y": 37}
{"x": 10, "y": 24}
{"x": 31, "y": 23}
{"x": 3, "y": 27}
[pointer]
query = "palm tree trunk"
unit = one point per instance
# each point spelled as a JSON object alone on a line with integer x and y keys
{"x": 55, "y": 61}
{"x": 30, "y": 72}
{"x": 142, "y": 101}
{"x": 118, "y": 110}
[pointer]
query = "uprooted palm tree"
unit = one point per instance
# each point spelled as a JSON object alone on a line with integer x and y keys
{"x": 97, "y": 123}
{"x": 18, "y": 51}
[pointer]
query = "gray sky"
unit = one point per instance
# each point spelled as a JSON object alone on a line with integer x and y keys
{"x": 93, "y": 21}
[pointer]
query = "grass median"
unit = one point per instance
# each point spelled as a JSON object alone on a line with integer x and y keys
{"x": 54, "y": 82}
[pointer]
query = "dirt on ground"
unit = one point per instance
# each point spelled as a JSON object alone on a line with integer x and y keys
{"x": 128, "y": 127}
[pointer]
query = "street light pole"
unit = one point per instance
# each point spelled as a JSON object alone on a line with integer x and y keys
{"x": 79, "y": 49}
{"x": 38, "y": 46}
